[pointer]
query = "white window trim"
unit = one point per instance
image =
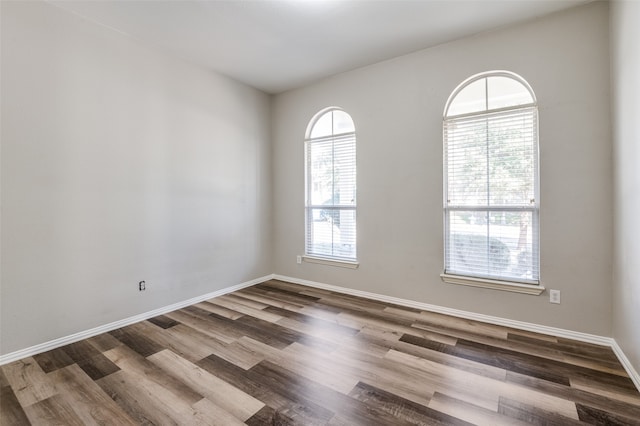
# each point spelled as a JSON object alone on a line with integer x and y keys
{"x": 467, "y": 280}
{"x": 349, "y": 264}
{"x": 311, "y": 257}
{"x": 534, "y": 289}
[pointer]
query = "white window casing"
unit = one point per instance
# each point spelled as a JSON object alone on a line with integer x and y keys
{"x": 330, "y": 189}
{"x": 491, "y": 189}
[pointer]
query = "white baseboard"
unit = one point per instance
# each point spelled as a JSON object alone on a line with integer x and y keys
{"x": 558, "y": 332}
{"x": 56, "y": 343}
{"x": 521, "y": 325}
{"x": 635, "y": 377}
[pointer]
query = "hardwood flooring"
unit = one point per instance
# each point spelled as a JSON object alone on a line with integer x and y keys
{"x": 283, "y": 354}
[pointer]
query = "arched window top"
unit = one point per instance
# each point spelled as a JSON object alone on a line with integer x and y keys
{"x": 489, "y": 91}
{"x": 330, "y": 122}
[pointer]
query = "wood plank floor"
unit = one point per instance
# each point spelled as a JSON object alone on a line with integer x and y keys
{"x": 283, "y": 354}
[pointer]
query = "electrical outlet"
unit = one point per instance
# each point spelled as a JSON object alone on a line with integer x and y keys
{"x": 554, "y": 296}
{"x": 142, "y": 286}
{"x": 299, "y": 259}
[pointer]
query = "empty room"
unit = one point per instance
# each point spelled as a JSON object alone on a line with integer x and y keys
{"x": 310, "y": 212}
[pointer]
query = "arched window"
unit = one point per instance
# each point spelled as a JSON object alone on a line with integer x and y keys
{"x": 330, "y": 166}
{"x": 491, "y": 191}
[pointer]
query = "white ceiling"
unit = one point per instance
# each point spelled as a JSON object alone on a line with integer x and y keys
{"x": 277, "y": 45}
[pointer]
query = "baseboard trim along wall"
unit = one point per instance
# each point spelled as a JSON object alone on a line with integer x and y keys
{"x": 521, "y": 325}
{"x": 56, "y": 343}
{"x": 558, "y": 332}
{"x": 635, "y": 377}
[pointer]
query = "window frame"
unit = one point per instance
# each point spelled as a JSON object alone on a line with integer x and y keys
{"x": 309, "y": 256}
{"x": 493, "y": 282}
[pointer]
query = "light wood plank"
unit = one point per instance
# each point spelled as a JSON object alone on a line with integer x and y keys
{"x": 478, "y": 390}
{"x": 87, "y": 399}
{"x": 233, "y": 352}
{"x": 238, "y": 307}
{"x": 271, "y": 301}
{"x": 219, "y": 310}
{"x": 29, "y": 383}
{"x": 11, "y": 412}
{"x": 146, "y": 371}
{"x": 605, "y": 390}
{"x": 469, "y": 412}
{"x": 210, "y": 414}
{"x": 53, "y": 411}
{"x": 224, "y": 395}
{"x": 202, "y": 325}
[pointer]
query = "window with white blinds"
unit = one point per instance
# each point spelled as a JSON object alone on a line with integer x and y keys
{"x": 491, "y": 201}
{"x": 330, "y": 164}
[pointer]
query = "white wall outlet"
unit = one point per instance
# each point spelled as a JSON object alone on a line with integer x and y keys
{"x": 299, "y": 260}
{"x": 554, "y": 296}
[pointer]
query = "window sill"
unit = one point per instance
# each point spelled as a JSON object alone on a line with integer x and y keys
{"x": 493, "y": 284}
{"x": 331, "y": 262}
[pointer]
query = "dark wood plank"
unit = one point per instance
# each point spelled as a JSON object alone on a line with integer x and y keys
{"x": 268, "y": 333}
{"x": 52, "y": 360}
{"x": 591, "y": 350}
{"x": 204, "y": 325}
{"x": 80, "y": 351}
{"x": 296, "y": 387}
{"x": 299, "y": 408}
{"x": 595, "y": 416}
{"x": 283, "y": 289}
{"x": 265, "y": 416}
{"x": 136, "y": 341}
{"x": 315, "y": 322}
{"x": 530, "y": 366}
{"x": 533, "y": 415}
{"x": 104, "y": 342}
{"x": 275, "y": 302}
{"x": 268, "y": 390}
{"x": 3, "y": 379}
{"x": 255, "y": 328}
{"x": 285, "y": 295}
{"x": 98, "y": 366}
{"x": 439, "y": 354}
{"x": 534, "y": 366}
{"x": 163, "y": 321}
{"x": 577, "y": 395}
{"x": 402, "y": 408}
{"x": 590, "y": 353}
{"x": 220, "y": 310}
{"x": 269, "y": 416}
{"x": 11, "y": 412}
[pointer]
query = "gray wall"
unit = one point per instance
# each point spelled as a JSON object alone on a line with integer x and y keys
{"x": 625, "y": 78}
{"x": 397, "y": 107}
{"x": 120, "y": 164}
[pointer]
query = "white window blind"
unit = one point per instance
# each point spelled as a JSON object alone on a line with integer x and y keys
{"x": 330, "y": 162}
{"x": 491, "y": 182}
